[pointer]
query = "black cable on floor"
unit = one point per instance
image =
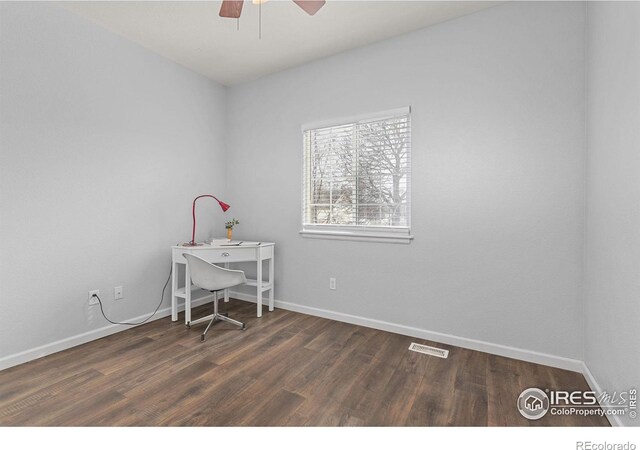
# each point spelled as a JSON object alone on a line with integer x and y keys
{"x": 137, "y": 323}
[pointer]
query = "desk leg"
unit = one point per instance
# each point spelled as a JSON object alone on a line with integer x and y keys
{"x": 187, "y": 295}
{"x": 259, "y": 287}
{"x": 271, "y": 281}
{"x": 174, "y": 288}
{"x": 226, "y": 291}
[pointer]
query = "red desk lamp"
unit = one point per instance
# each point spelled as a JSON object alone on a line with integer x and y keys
{"x": 224, "y": 207}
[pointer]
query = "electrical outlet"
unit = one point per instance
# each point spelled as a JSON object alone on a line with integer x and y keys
{"x": 118, "y": 292}
{"x": 332, "y": 284}
{"x": 93, "y": 300}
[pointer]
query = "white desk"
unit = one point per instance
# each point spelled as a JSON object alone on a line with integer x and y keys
{"x": 218, "y": 253}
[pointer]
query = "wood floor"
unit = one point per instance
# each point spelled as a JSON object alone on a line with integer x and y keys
{"x": 286, "y": 369}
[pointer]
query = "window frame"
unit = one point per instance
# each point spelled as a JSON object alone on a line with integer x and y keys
{"x": 370, "y": 233}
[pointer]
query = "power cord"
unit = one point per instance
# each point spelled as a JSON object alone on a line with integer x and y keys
{"x": 145, "y": 320}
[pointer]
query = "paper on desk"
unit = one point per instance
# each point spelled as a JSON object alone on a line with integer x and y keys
{"x": 216, "y": 242}
{"x": 226, "y": 243}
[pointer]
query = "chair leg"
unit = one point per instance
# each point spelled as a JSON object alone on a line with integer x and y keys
{"x": 204, "y": 334}
{"x": 224, "y": 317}
{"x": 233, "y": 321}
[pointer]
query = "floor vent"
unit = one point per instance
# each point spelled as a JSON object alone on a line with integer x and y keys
{"x": 428, "y": 350}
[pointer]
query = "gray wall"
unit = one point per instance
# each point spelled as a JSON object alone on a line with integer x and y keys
{"x": 613, "y": 208}
{"x": 498, "y": 177}
{"x": 103, "y": 147}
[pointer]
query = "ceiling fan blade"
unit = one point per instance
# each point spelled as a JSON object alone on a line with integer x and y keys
{"x": 310, "y": 6}
{"x": 231, "y": 8}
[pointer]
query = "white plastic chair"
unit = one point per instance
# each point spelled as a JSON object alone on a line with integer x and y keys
{"x": 213, "y": 278}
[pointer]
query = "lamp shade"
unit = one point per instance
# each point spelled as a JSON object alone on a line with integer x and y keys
{"x": 224, "y": 206}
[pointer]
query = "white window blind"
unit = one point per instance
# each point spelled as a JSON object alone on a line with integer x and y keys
{"x": 357, "y": 177}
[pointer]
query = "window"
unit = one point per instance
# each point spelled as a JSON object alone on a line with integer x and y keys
{"x": 357, "y": 178}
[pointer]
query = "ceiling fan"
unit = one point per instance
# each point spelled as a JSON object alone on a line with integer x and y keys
{"x": 233, "y": 8}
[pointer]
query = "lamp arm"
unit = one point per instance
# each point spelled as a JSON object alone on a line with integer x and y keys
{"x": 193, "y": 213}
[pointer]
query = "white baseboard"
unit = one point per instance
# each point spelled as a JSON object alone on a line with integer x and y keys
{"x": 472, "y": 344}
{"x": 593, "y": 384}
{"x": 73, "y": 341}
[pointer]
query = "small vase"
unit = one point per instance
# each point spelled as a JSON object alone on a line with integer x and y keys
{"x": 229, "y": 234}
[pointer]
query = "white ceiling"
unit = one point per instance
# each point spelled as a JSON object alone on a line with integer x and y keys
{"x": 193, "y": 35}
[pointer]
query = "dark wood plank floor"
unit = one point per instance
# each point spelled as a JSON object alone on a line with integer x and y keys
{"x": 286, "y": 369}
